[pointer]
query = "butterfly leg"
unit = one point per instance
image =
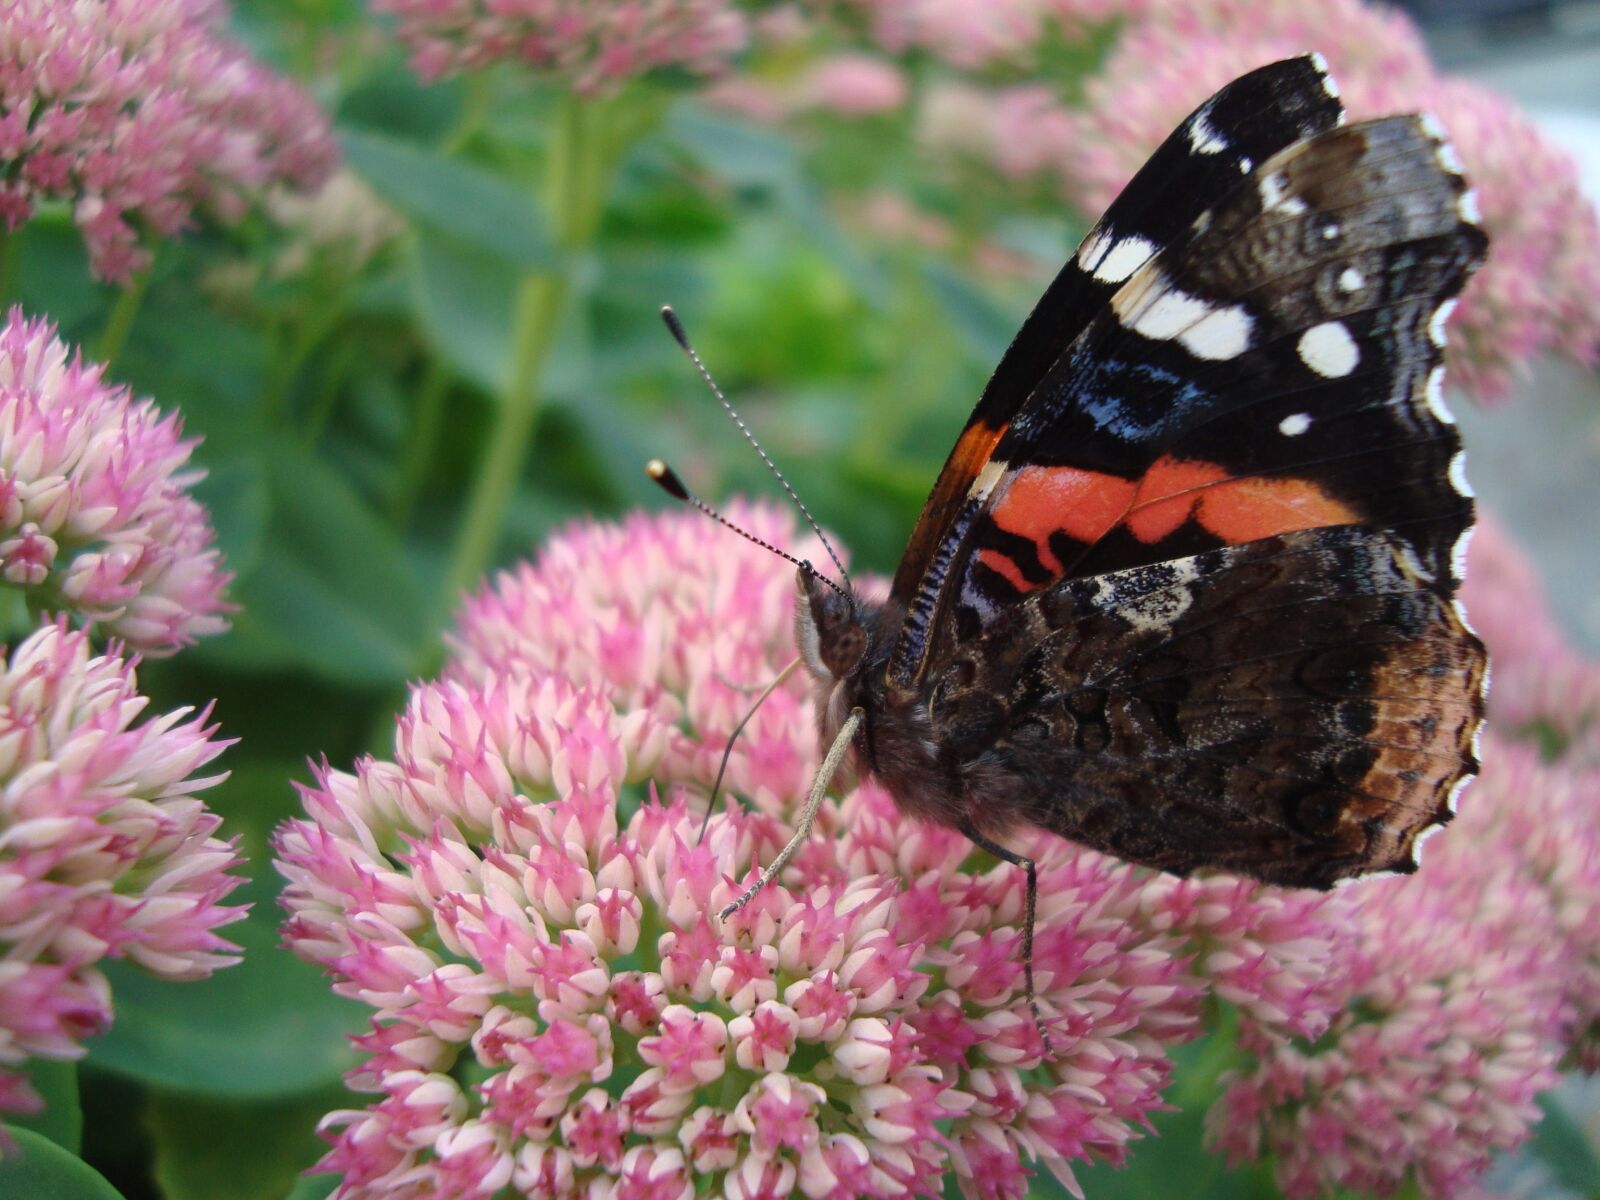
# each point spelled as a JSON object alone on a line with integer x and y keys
{"x": 819, "y": 788}
{"x": 727, "y": 751}
{"x": 1029, "y": 904}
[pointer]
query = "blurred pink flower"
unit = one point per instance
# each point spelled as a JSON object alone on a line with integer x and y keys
{"x": 973, "y": 36}
{"x": 1540, "y": 289}
{"x": 846, "y": 85}
{"x": 138, "y": 113}
{"x": 105, "y": 849}
{"x": 95, "y": 512}
{"x": 851, "y": 85}
{"x": 520, "y": 887}
{"x": 1022, "y": 131}
{"x": 961, "y": 33}
{"x": 1540, "y": 683}
{"x": 597, "y": 44}
{"x": 1462, "y": 989}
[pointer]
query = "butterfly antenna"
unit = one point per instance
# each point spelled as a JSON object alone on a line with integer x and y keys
{"x": 733, "y": 738}
{"x": 669, "y": 482}
{"x": 675, "y": 326}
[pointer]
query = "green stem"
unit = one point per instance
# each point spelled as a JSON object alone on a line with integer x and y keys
{"x": 120, "y": 323}
{"x": 580, "y": 158}
{"x": 539, "y": 303}
{"x": 10, "y": 253}
{"x": 426, "y": 420}
{"x": 327, "y": 398}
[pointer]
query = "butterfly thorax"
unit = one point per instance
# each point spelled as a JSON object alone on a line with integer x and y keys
{"x": 845, "y": 642}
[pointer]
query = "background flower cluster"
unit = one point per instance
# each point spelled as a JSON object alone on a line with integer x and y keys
{"x": 317, "y": 311}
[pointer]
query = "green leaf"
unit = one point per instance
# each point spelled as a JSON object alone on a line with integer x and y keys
{"x": 265, "y": 1029}
{"x": 1174, "y": 1159}
{"x": 470, "y": 204}
{"x": 235, "y": 492}
{"x": 207, "y": 1148}
{"x": 1561, "y": 1144}
{"x": 743, "y": 154}
{"x": 53, "y": 274}
{"x": 465, "y": 298}
{"x": 333, "y": 592}
{"x": 40, "y": 1168}
{"x": 984, "y": 325}
{"x": 314, "y": 1187}
{"x": 62, "y": 1119}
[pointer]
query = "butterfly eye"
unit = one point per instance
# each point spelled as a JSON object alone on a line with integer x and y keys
{"x": 842, "y": 647}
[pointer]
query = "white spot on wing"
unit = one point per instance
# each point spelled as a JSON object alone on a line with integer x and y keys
{"x": 1123, "y": 258}
{"x": 1467, "y": 206}
{"x": 1157, "y": 611}
{"x": 1434, "y": 394}
{"x": 1152, "y": 307}
{"x": 1328, "y": 85}
{"x": 1203, "y": 138}
{"x": 1221, "y": 334}
{"x": 1246, "y": 164}
{"x": 1350, "y": 280}
{"x": 1329, "y": 350}
{"x": 1094, "y": 249}
{"x": 1458, "y": 474}
{"x": 1295, "y": 425}
{"x": 1458, "y": 556}
{"x": 1437, "y": 322}
{"x": 991, "y": 474}
{"x": 1275, "y": 196}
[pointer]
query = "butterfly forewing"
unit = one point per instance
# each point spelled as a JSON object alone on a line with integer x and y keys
{"x": 1254, "y": 117}
{"x": 1274, "y": 368}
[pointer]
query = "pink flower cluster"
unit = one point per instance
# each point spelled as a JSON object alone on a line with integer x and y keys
{"x": 595, "y": 45}
{"x": 138, "y": 113}
{"x": 1539, "y": 291}
{"x": 520, "y": 895}
{"x": 106, "y": 851}
{"x": 95, "y": 514}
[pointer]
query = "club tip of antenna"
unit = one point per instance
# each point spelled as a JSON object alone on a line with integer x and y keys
{"x": 674, "y": 326}
{"x": 667, "y": 478}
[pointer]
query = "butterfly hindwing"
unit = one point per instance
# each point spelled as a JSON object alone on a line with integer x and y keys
{"x": 1251, "y": 119}
{"x": 1275, "y": 368}
{"x": 1298, "y": 709}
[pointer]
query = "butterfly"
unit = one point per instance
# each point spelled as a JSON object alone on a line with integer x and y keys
{"x": 1184, "y": 590}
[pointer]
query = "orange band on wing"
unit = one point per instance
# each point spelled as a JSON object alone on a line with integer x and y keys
{"x": 1037, "y": 502}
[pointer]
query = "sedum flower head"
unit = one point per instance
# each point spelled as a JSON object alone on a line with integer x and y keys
{"x": 595, "y": 45}
{"x": 1538, "y": 291}
{"x": 520, "y": 894}
{"x": 137, "y": 114}
{"x": 95, "y": 513}
{"x": 106, "y": 850}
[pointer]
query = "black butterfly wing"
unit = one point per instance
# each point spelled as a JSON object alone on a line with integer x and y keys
{"x": 1246, "y": 122}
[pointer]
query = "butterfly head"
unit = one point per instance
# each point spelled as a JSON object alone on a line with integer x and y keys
{"x": 828, "y": 627}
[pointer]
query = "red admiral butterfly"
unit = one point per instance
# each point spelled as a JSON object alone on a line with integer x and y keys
{"x": 1184, "y": 589}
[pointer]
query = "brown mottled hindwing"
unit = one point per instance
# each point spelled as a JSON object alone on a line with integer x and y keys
{"x": 1298, "y": 709}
